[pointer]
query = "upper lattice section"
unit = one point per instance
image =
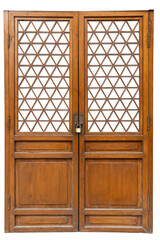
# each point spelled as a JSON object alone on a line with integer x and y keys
{"x": 113, "y": 76}
{"x": 43, "y": 76}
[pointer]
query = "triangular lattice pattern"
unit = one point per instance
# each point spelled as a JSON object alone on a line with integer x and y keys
{"x": 113, "y": 76}
{"x": 43, "y": 76}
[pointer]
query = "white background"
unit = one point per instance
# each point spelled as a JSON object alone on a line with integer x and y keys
{"x": 87, "y": 5}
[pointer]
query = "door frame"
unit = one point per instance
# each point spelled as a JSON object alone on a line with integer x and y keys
{"x": 7, "y": 75}
{"x": 150, "y": 120}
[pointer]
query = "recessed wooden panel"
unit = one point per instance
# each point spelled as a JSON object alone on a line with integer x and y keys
{"x": 113, "y": 146}
{"x": 114, "y": 220}
{"x": 113, "y": 183}
{"x": 43, "y": 146}
{"x": 43, "y": 183}
{"x": 43, "y": 220}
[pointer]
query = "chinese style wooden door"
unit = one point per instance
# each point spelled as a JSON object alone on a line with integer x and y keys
{"x": 78, "y": 121}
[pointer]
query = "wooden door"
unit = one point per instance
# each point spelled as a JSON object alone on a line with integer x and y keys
{"x": 97, "y": 73}
{"x": 41, "y": 55}
{"x": 115, "y": 82}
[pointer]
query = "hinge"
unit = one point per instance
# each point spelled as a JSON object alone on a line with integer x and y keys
{"x": 148, "y": 39}
{"x": 9, "y": 202}
{"x": 8, "y": 122}
{"x": 148, "y": 202}
{"x": 8, "y": 41}
{"x": 148, "y": 122}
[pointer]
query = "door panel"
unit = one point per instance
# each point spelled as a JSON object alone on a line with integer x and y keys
{"x": 116, "y": 183}
{"x": 113, "y": 221}
{"x": 43, "y": 146}
{"x": 41, "y": 182}
{"x": 43, "y": 220}
{"x": 113, "y": 73}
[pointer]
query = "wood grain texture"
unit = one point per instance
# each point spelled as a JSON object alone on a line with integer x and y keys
{"x": 113, "y": 221}
{"x": 113, "y": 184}
{"x": 40, "y": 182}
{"x": 43, "y": 146}
{"x": 115, "y": 146}
{"x": 43, "y": 220}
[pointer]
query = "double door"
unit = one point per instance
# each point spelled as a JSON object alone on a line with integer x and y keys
{"x": 78, "y": 96}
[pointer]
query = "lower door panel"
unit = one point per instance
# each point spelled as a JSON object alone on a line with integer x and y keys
{"x": 113, "y": 188}
{"x": 45, "y": 189}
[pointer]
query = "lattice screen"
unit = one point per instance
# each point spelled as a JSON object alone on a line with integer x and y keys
{"x": 113, "y": 76}
{"x": 43, "y": 76}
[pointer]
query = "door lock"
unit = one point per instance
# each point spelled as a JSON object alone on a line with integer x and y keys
{"x": 78, "y": 126}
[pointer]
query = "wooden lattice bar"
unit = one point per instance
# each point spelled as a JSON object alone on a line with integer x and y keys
{"x": 113, "y": 76}
{"x": 43, "y": 76}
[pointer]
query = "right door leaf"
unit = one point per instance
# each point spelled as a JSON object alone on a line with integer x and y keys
{"x": 114, "y": 145}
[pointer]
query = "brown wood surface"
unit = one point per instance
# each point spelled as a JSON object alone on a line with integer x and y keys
{"x": 93, "y": 181}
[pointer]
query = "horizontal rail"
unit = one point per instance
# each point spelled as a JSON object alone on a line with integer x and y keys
{"x": 113, "y": 155}
{"x": 43, "y": 211}
{"x": 130, "y": 211}
{"x": 43, "y": 155}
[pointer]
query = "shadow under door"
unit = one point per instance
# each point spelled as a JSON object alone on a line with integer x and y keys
{"x": 78, "y": 100}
